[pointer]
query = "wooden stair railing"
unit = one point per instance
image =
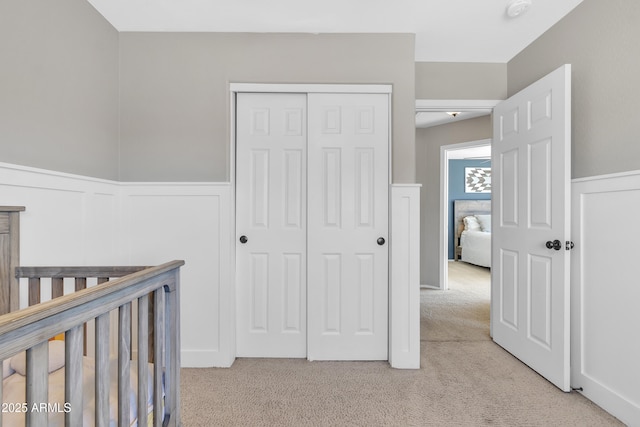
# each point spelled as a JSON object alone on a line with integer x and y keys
{"x": 80, "y": 276}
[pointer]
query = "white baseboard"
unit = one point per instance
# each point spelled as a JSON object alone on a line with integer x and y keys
{"x": 204, "y": 359}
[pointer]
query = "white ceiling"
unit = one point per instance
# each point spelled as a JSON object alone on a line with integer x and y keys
{"x": 425, "y": 119}
{"x": 446, "y": 30}
{"x": 434, "y": 112}
{"x": 481, "y": 152}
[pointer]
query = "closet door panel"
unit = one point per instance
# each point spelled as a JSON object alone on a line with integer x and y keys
{"x": 271, "y": 210}
{"x": 348, "y": 164}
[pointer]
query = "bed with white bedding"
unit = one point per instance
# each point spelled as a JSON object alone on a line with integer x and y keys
{"x": 476, "y": 247}
{"x": 473, "y": 231}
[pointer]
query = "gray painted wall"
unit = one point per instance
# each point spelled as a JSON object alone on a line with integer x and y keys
{"x": 600, "y": 40}
{"x": 461, "y": 80}
{"x": 79, "y": 97}
{"x": 175, "y": 92}
{"x": 58, "y": 87}
{"x": 428, "y": 143}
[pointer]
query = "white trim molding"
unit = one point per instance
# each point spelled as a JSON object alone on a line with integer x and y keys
{"x": 404, "y": 294}
{"x": 605, "y": 345}
{"x": 309, "y": 88}
{"x": 428, "y": 105}
{"x": 403, "y": 358}
{"x": 434, "y": 112}
{"x": 444, "y": 208}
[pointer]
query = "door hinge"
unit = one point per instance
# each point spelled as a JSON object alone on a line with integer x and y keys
{"x": 568, "y": 245}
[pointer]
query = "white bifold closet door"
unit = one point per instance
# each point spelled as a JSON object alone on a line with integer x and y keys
{"x": 312, "y": 205}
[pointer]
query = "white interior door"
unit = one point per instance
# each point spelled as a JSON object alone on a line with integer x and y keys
{"x": 531, "y": 225}
{"x": 271, "y": 214}
{"x": 348, "y": 226}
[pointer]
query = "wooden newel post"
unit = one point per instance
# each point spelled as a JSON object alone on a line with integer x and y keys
{"x": 10, "y": 250}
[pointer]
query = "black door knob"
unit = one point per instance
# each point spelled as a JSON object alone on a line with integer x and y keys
{"x": 554, "y": 245}
{"x": 381, "y": 241}
{"x": 243, "y": 239}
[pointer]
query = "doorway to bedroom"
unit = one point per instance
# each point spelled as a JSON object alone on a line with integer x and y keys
{"x": 465, "y": 208}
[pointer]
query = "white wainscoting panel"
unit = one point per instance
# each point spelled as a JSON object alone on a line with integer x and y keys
{"x": 77, "y": 220}
{"x": 69, "y": 219}
{"x": 605, "y": 293}
{"x": 188, "y": 221}
{"x": 404, "y": 295}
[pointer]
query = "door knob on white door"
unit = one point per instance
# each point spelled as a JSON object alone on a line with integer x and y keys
{"x": 243, "y": 239}
{"x": 554, "y": 245}
{"x": 381, "y": 241}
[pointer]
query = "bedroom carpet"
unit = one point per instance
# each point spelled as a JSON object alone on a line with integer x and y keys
{"x": 465, "y": 380}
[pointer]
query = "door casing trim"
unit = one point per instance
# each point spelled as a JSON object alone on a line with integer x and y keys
{"x": 443, "y": 250}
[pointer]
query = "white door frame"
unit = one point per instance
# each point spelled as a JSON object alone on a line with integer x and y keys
{"x": 444, "y": 205}
{"x": 235, "y": 88}
{"x": 444, "y": 105}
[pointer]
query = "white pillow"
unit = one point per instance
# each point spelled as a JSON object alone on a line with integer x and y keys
{"x": 6, "y": 369}
{"x": 471, "y": 223}
{"x": 485, "y": 222}
{"x": 56, "y": 358}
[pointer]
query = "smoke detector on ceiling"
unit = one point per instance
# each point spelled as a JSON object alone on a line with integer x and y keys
{"x": 516, "y": 8}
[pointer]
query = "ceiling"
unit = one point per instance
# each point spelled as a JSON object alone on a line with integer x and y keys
{"x": 446, "y": 30}
{"x": 434, "y": 112}
{"x": 479, "y": 152}
{"x": 425, "y": 119}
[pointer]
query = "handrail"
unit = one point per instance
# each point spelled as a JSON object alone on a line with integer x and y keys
{"x": 12, "y": 208}
{"x": 30, "y": 328}
{"x": 28, "y": 323}
{"x": 23, "y": 272}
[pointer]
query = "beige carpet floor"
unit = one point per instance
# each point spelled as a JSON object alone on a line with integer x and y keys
{"x": 464, "y": 380}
